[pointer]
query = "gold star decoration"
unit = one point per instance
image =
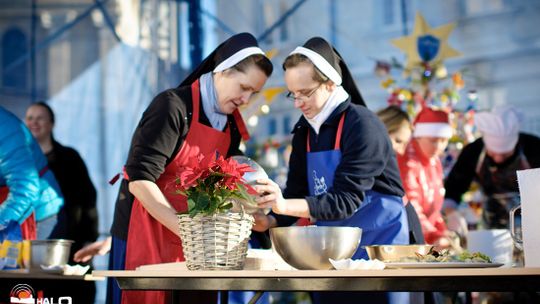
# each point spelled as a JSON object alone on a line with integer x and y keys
{"x": 426, "y": 44}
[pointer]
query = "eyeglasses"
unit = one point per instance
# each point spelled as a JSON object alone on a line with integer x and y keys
{"x": 302, "y": 97}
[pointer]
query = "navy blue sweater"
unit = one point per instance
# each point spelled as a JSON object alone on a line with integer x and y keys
{"x": 368, "y": 163}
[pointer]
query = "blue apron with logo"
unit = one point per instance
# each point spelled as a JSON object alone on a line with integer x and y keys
{"x": 381, "y": 217}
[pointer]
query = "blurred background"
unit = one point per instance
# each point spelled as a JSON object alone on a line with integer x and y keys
{"x": 98, "y": 63}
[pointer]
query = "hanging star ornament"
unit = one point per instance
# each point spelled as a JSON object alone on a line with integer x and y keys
{"x": 426, "y": 44}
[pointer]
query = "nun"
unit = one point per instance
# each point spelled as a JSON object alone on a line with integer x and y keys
{"x": 342, "y": 169}
{"x": 199, "y": 116}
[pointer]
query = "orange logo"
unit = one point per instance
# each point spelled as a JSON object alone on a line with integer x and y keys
{"x": 22, "y": 293}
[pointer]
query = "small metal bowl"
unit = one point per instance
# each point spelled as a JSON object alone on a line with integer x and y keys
{"x": 48, "y": 253}
{"x": 310, "y": 247}
{"x": 394, "y": 253}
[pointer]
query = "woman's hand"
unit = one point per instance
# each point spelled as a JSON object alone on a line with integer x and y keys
{"x": 270, "y": 196}
{"x": 89, "y": 251}
{"x": 263, "y": 222}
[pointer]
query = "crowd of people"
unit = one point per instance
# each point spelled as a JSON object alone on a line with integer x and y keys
{"x": 349, "y": 166}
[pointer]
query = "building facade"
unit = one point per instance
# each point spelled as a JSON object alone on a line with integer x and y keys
{"x": 499, "y": 40}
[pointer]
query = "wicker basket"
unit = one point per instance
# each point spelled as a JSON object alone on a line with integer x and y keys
{"x": 215, "y": 242}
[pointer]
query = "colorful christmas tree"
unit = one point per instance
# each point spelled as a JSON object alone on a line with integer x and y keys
{"x": 424, "y": 80}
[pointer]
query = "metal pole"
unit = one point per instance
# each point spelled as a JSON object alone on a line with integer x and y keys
{"x": 333, "y": 28}
{"x": 404, "y": 17}
{"x": 256, "y": 297}
{"x": 222, "y": 24}
{"x": 195, "y": 32}
{"x": 108, "y": 19}
{"x": 282, "y": 19}
{"x": 50, "y": 39}
{"x": 33, "y": 94}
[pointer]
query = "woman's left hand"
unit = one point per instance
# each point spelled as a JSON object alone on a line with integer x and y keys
{"x": 270, "y": 196}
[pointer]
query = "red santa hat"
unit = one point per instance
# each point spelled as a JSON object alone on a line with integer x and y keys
{"x": 432, "y": 123}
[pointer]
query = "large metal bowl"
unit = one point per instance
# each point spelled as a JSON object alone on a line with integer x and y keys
{"x": 49, "y": 253}
{"x": 310, "y": 247}
{"x": 395, "y": 253}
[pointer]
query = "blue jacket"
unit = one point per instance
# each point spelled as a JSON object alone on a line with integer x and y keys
{"x": 368, "y": 163}
{"x": 21, "y": 162}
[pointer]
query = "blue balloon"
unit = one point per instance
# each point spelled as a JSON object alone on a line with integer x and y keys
{"x": 428, "y": 47}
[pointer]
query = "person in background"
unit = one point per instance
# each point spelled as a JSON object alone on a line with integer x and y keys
{"x": 492, "y": 161}
{"x": 398, "y": 125}
{"x": 28, "y": 190}
{"x": 422, "y": 173}
{"x": 342, "y": 169}
{"x": 79, "y": 212}
{"x": 72, "y": 176}
{"x": 200, "y": 116}
{"x": 399, "y": 128}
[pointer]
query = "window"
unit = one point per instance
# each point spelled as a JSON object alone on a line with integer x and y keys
{"x": 272, "y": 126}
{"x": 287, "y": 125}
{"x": 482, "y": 7}
{"x": 283, "y": 29}
{"x": 268, "y": 18}
{"x": 14, "y": 47}
{"x": 389, "y": 13}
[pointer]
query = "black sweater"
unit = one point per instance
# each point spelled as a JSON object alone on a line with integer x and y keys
{"x": 464, "y": 170}
{"x": 157, "y": 139}
{"x": 79, "y": 195}
{"x": 368, "y": 163}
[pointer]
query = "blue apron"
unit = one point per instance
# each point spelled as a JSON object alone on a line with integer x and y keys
{"x": 381, "y": 217}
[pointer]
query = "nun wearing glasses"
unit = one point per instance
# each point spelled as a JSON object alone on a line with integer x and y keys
{"x": 199, "y": 116}
{"x": 343, "y": 171}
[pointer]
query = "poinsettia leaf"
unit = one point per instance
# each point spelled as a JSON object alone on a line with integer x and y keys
{"x": 213, "y": 204}
{"x": 210, "y": 182}
{"x": 225, "y": 207}
{"x": 204, "y": 201}
{"x": 250, "y": 199}
{"x": 191, "y": 202}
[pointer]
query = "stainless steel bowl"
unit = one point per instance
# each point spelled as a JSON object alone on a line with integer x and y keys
{"x": 393, "y": 253}
{"x": 310, "y": 247}
{"x": 49, "y": 252}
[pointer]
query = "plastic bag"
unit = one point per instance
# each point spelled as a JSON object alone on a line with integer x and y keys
{"x": 11, "y": 247}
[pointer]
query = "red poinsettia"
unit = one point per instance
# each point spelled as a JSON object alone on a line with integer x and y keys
{"x": 212, "y": 182}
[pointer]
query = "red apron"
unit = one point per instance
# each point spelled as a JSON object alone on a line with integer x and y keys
{"x": 29, "y": 226}
{"x": 149, "y": 242}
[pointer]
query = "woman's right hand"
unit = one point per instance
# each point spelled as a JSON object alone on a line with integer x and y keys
{"x": 89, "y": 251}
{"x": 263, "y": 222}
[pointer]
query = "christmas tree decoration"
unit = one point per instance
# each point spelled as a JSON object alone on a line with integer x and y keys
{"x": 426, "y": 45}
{"x": 425, "y": 81}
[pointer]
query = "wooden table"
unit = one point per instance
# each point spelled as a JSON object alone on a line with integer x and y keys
{"x": 433, "y": 279}
{"x": 22, "y": 274}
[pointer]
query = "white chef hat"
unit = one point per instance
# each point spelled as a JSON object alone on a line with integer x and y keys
{"x": 499, "y": 128}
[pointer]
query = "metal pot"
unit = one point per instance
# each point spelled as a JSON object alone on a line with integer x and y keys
{"x": 53, "y": 252}
{"x": 515, "y": 227}
{"x": 389, "y": 253}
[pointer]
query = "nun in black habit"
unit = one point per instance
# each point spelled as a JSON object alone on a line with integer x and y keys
{"x": 199, "y": 116}
{"x": 342, "y": 169}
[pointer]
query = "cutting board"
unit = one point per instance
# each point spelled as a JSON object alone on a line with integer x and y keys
{"x": 257, "y": 259}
